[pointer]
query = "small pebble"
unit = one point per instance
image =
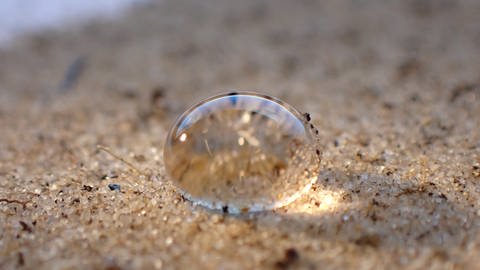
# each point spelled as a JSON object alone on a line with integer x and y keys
{"x": 87, "y": 188}
{"x": 114, "y": 187}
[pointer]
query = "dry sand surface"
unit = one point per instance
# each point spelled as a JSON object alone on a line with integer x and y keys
{"x": 394, "y": 89}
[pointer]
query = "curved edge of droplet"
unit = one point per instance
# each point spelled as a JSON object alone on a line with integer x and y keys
{"x": 252, "y": 208}
{"x": 287, "y": 106}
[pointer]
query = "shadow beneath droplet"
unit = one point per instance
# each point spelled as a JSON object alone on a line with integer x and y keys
{"x": 375, "y": 211}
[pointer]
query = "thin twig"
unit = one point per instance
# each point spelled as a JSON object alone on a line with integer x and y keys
{"x": 23, "y": 203}
{"x": 108, "y": 151}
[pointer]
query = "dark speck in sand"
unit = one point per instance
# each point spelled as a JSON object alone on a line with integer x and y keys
{"x": 291, "y": 257}
{"x": 72, "y": 74}
{"x": 114, "y": 187}
{"x": 307, "y": 117}
{"x": 87, "y": 188}
{"x": 25, "y": 226}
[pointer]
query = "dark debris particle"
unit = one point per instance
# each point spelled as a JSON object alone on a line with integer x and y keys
{"x": 109, "y": 176}
{"x": 461, "y": 89}
{"x": 388, "y": 105}
{"x": 410, "y": 191}
{"x": 25, "y": 227}
{"x": 87, "y": 188}
{"x": 408, "y": 67}
{"x": 370, "y": 240}
{"x": 336, "y": 143}
{"x": 378, "y": 203}
{"x": 129, "y": 94}
{"x": 225, "y": 209}
{"x": 291, "y": 257}
{"x": 318, "y": 152}
{"x": 291, "y": 254}
{"x": 441, "y": 254}
{"x": 476, "y": 171}
{"x": 443, "y": 196}
{"x": 113, "y": 266}
{"x": 422, "y": 235}
{"x": 232, "y": 94}
{"x": 73, "y": 73}
{"x": 158, "y": 93}
{"x": 114, "y": 187}
{"x": 278, "y": 168}
{"x": 307, "y": 117}
{"x": 347, "y": 197}
{"x": 373, "y": 217}
{"x": 20, "y": 259}
{"x": 140, "y": 158}
{"x": 415, "y": 97}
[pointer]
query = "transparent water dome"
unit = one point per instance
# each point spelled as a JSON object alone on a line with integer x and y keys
{"x": 242, "y": 152}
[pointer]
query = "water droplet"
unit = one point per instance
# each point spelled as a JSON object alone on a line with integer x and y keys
{"x": 242, "y": 152}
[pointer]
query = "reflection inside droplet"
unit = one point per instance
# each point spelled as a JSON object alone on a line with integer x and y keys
{"x": 183, "y": 137}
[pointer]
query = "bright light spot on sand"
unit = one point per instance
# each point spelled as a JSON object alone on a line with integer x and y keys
{"x": 316, "y": 202}
{"x": 328, "y": 201}
{"x": 241, "y": 141}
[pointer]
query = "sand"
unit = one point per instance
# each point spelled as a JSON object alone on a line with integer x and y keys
{"x": 393, "y": 87}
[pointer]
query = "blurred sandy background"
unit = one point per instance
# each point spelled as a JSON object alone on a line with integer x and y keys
{"x": 394, "y": 88}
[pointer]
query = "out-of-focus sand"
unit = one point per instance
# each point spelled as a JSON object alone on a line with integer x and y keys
{"x": 393, "y": 87}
